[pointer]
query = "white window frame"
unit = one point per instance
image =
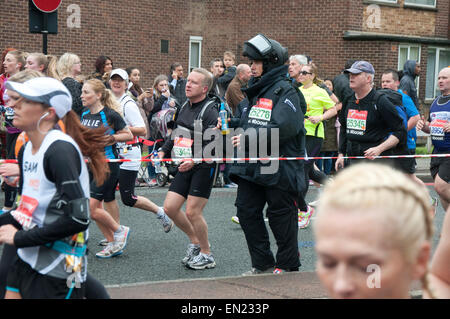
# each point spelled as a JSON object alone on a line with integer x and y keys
{"x": 386, "y": 1}
{"x": 436, "y": 71}
{"x": 199, "y": 40}
{"x": 418, "y": 5}
{"x": 400, "y": 67}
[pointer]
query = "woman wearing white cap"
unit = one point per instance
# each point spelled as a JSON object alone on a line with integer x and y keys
{"x": 49, "y": 226}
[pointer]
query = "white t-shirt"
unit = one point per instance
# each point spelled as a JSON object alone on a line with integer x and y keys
{"x": 133, "y": 118}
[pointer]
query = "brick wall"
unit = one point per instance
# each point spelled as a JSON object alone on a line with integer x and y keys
{"x": 130, "y": 33}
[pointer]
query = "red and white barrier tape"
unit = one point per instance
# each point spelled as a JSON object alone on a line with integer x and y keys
{"x": 249, "y": 159}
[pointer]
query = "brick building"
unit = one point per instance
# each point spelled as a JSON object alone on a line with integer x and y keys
{"x": 153, "y": 34}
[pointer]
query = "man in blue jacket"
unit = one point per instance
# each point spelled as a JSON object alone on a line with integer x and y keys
{"x": 272, "y": 107}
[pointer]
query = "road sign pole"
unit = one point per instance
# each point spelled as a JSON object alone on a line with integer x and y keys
{"x": 44, "y": 33}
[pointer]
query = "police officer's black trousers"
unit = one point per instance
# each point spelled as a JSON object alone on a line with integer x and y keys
{"x": 282, "y": 214}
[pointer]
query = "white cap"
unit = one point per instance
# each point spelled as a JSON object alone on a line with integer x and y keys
{"x": 120, "y": 72}
{"x": 44, "y": 90}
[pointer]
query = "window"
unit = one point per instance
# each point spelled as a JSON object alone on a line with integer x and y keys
{"x": 409, "y": 52}
{"x": 164, "y": 46}
{"x": 438, "y": 58}
{"x": 421, "y": 3}
{"x": 195, "y": 52}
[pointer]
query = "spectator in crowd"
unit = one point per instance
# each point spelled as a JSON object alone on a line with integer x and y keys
{"x": 103, "y": 67}
{"x": 217, "y": 68}
{"x": 143, "y": 98}
{"x": 14, "y": 63}
{"x": 69, "y": 67}
{"x": 411, "y": 70}
{"x": 234, "y": 95}
{"x": 229, "y": 60}
{"x": 177, "y": 82}
{"x": 296, "y": 63}
{"x": 373, "y": 234}
{"x": 330, "y": 142}
{"x": 162, "y": 99}
{"x": 3, "y": 78}
{"x": 341, "y": 84}
{"x": 37, "y": 61}
{"x": 51, "y": 67}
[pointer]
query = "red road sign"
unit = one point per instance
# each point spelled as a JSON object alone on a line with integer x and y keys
{"x": 47, "y": 6}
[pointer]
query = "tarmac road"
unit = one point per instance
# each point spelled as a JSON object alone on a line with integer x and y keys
{"x": 150, "y": 266}
{"x": 152, "y": 255}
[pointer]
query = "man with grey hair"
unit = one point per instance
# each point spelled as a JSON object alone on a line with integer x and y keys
{"x": 296, "y": 62}
{"x": 370, "y": 124}
{"x": 193, "y": 182}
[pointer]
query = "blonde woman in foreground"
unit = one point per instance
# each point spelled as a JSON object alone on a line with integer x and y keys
{"x": 373, "y": 234}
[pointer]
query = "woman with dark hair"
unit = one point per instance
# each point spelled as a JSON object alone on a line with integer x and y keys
{"x": 103, "y": 66}
{"x": 143, "y": 98}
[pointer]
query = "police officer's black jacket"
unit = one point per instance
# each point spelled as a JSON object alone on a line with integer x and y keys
{"x": 272, "y": 102}
{"x": 367, "y": 123}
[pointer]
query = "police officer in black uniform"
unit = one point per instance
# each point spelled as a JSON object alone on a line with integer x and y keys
{"x": 271, "y": 103}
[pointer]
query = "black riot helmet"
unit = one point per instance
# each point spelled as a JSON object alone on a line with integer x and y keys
{"x": 260, "y": 48}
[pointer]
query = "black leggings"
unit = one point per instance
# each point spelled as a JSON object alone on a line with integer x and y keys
{"x": 127, "y": 183}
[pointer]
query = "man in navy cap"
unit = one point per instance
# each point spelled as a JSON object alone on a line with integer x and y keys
{"x": 370, "y": 123}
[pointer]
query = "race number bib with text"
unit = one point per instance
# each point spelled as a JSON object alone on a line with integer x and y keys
{"x": 183, "y": 147}
{"x": 262, "y": 111}
{"x": 24, "y": 213}
{"x": 356, "y": 120}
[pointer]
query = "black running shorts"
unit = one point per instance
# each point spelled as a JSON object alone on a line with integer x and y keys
{"x": 32, "y": 285}
{"x": 196, "y": 182}
{"x": 440, "y": 166}
{"x": 406, "y": 165}
{"x": 107, "y": 191}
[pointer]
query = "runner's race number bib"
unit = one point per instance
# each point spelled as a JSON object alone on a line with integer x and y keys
{"x": 24, "y": 213}
{"x": 356, "y": 120}
{"x": 183, "y": 147}
{"x": 262, "y": 111}
{"x": 437, "y": 127}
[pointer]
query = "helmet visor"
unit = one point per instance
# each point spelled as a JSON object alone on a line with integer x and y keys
{"x": 261, "y": 44}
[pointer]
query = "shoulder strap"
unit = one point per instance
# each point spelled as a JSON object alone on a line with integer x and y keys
{"x": 202, "y": 112}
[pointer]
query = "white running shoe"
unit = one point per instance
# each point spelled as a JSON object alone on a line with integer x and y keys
{"x": 112, "y": 249}
{"x": 121, "y": 236}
